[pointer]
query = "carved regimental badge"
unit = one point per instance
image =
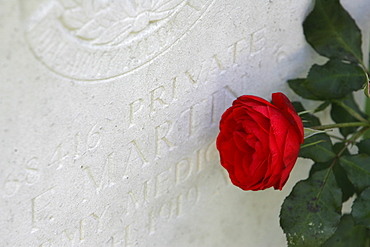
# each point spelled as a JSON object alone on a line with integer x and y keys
{"x": 94, "y": 40}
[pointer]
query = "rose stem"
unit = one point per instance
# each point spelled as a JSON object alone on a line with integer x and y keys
{"x": 340, "y": 125}
{"x": 351, "y": 111}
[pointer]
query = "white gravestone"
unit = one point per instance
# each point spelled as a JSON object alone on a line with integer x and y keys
{"x": 109, "y": 111}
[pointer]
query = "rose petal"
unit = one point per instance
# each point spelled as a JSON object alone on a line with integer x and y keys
{"x": 242, "y": 143}
{"x": 259, "y": 142}
{"x": 239, "y": 171}
{"x": 258, "y": 159}
{"x": 251, "y": 100}
{"x": 286, "y": 107}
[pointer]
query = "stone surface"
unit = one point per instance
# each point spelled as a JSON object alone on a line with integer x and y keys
{"x": 109, "y": 112}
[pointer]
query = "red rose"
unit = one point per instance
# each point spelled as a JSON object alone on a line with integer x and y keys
{"x": 259, "y": 142}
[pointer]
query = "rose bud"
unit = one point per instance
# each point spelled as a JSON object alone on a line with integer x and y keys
{"x": 259, "y": 141}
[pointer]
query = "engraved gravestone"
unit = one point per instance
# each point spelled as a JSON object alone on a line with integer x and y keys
{"x": 110, "y": 109}
{"x": 93, "y": 40}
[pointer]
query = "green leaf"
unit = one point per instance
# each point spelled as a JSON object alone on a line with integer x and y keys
{"x": 319, "y": 167}
{"x": 361, "y": 208}
{"x": 299, "y": 87}
{"x": 358, "y": 170}
{"x": 308, "y": 119}
{"x": 323, "y": 106}
{"x": 348, "y": 190}
{"x": 311, "y": 213}
{"x": 320, "y": 152}
{"x": 349, "y": 235}
{"x": 333, "y": 80}
{"x": 310, "y": 132}
{"x": 367, "y": 111}
{"x": 332, "y": 32}
{"x": 367, "y": 90}
{"x": 340, "y": 115}
{"x": 338, "y": 147}
{"x": 364, "y": 147}
{"x": 343, "y": 182}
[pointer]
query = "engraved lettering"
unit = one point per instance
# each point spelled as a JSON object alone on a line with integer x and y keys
{"x": 156, "y": 99}
{"x": 100, "y": 218}
{"x": 173, "y": 208}
{"x": 138, "y": 199}
{"x": 33, "y": 173}
{"x": 187, "y": 200}
{"x": 193, "y": 79}
{"x": 47, "y": 243}
{"x": 258, "y": 41}
{"x": 184, "y": 127}
{"x": 93, "y": 138}
{"x": 46, "y": 47}
{"x": 84, "y": 224}
{"x": 40, "y": 209}
{"x": 179, "y": 201}
{"x": 123, "y": 237}
{"x": 196, "y": 4}
{"x": 77, "y": 146}
{"x": 72, "y": 234}
{"x": 221, "y": 100}
{"x": 165, "y": 210}
{"x": 282, "y": 59}
{"x": 206, "y": 155}
{"x": 154, "y": 44}
{"x": 162, "y": 141}
{"x": 199, "y": 73}
{"x": 241, "y": 51}
{"x": 199, "y": 116}
{"x": 99, "y": 40}
{"x": 92, "y": 224}
{"x": 151, "y": 223}
{"x": 174, "y": 87}
{"x": 214, "y": 69}
{"x": 58, "y": 157}
{"x": 183, "y": 170}
{"x": 216, "y": 108}
{"x": 163, "y": 182}
{"x": 226, "y": 59}
{"x": 106, "y": 175}
{"x": 89, "y": 143}
{"x": 192, "y": 196}
{"x": 135, "y": 107}
{"x": 136, "y": 157}
{"x": 11, "y": 184}
{"x": 218, "y": 62}
{"x": 127, "y": 236}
